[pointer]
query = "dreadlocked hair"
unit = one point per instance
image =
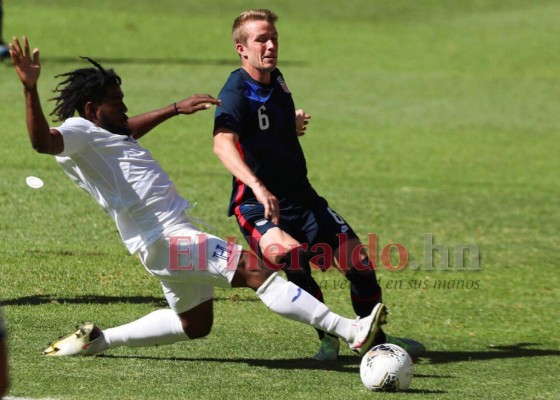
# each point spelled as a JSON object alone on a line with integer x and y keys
{"x": 79, "y": 87}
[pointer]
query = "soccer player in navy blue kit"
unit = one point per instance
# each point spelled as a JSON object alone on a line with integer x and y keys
{"x": 256, "y": 136}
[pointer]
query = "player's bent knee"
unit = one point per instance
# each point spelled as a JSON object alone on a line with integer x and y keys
{"x": 197, "y": 330}
{"x": 197, "y": 322}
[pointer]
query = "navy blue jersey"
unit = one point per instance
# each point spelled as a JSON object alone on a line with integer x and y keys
{"x": 263, "y": 116}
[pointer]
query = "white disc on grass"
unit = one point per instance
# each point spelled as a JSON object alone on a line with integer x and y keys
{"x": 34, "y": 182}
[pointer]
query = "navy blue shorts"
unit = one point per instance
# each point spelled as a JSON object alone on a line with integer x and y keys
{"x": 317, "y": 225}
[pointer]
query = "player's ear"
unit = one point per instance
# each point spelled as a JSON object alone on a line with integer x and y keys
{"x": 240, "y": 50}
{"x": 90, "y": 111}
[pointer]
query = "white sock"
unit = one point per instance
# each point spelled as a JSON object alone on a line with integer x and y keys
{"x": 157, "y": 328}
{"x": 293, "y": 302}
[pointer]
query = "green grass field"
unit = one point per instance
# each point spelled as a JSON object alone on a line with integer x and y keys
{"x": 435, "y": 125}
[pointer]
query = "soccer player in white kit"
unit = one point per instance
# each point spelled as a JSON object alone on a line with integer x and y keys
{"x": 99, "y": 151}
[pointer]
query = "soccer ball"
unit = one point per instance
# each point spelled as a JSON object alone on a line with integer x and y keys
{"x": 386, "y": 367}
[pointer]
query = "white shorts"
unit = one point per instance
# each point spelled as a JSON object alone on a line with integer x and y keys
{"x": 190, "y": 264}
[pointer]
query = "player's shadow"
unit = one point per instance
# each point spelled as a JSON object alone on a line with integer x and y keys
{"x": 349, "y": 364}
{"x": 68, "y": 253}
{"x": 517, "y": 350}
{"x": 233, "y": 62}
{"x": 36, "y": 300}
{"x": 344, "y": 364}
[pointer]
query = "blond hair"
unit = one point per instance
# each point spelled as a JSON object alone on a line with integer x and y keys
{"x": 259, "y": 14}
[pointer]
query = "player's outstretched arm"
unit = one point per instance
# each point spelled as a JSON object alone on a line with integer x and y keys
{"x": 143, "y": 123}
{"x": 28, "y": 68}
{"x": 225, "y": 147}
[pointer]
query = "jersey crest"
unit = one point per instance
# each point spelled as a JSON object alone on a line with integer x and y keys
{"x": 282, "y": 84}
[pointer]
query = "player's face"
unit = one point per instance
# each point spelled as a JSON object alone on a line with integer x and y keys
{"x": 111, "y": 113}
{"x": 259, "y": 55}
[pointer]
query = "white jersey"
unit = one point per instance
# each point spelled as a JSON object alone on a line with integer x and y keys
{"x": 124, "y": 179}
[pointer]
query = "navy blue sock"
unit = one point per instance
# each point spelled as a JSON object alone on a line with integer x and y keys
{"x": 365, "y": 291}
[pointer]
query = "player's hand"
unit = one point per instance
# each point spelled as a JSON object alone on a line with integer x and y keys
{"x": 302, "y": 119}
{"x": 270, "y": 203}
{"x": 196, "y": 102}
{"x": 28, "y": 69}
